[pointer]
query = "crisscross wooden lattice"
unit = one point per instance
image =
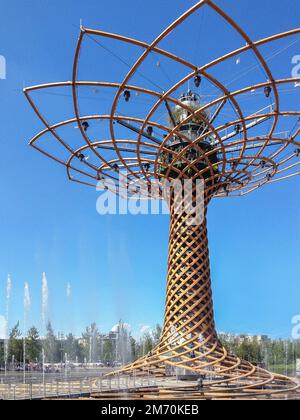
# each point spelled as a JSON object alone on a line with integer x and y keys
{"x": 189, "y": 344}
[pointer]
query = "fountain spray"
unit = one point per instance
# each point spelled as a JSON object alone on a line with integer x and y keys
{"x": 69, "y": 291}
{"x": 45, "y": 297}
{"x": 6, "y": 342}
{"x": 26, "y": 312}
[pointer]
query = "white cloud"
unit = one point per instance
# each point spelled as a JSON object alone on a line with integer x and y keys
{"x": 145, "y": 329}
{"x": 2, "y": 326}
{"x": 127, "y": 327}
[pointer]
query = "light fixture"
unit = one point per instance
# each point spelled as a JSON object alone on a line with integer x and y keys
{"x": 149, "y": 130}
{"x": 197, "y": 80}
{"x": 127, "y": 95}
{"x": 268, "y": 91}
{"x": 234, "y": 165}
{"x": 263, "y": 163}
{"x": 238, "y": 128}
{"x": 80, "y": 156}
{"x": 85, "y": 125}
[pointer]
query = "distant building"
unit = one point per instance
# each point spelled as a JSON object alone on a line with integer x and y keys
{"x": 240, "y": 338}
{"x": 112, "y": 336}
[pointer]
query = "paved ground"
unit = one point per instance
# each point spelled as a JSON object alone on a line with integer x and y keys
{"x": 37, "y": 377}
{"x": 90, "y": 383}
{"x": 75, "y": 383}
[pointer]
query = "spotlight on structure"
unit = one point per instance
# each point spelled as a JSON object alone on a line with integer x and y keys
{"x": 149, "y": 130}
{"x": 147, "y": 166}
{"x": 263, "y": 163}
{"x": 238, "y": 128}
{"x": 85, "y": 125}
{"x": 81, "y": 157}
{"x": 127, "y": 95}
{"x": 268, "y": 91}
{"x": 234, "y": 165}
{"x": 197, "y": 80}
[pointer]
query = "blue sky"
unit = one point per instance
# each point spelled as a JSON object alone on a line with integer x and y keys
{"x": 116, "y": 265}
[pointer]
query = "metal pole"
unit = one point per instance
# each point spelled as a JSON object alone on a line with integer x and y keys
{"x": 43, "y": 365}
{"x": 80, "y": 387}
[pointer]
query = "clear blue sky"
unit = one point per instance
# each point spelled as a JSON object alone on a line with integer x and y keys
{"x": 116, "y": 265}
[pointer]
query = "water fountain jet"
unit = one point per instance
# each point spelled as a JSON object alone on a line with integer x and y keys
{"x": 27, "y": 303}
{"x": 6, "y": 341}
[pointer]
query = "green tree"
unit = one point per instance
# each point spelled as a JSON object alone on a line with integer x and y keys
{"x": 278, "y": 353}
{"x": 51, "y": 345}
{"x": 108, "y": 351}
{"x": 147, "y": 343}
{"x": 2, "y": 353}
{"x": 134, "y": 348}
{"x": 15, "y": 344}
{"x": 92, "y": 348}
{"x": 73, "y": 349}
{"x": 123, "y": 343}
{"x": 156, "y": 334}
{"x": 33, "y": 345}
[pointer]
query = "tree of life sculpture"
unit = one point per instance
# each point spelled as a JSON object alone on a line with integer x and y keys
{"x": 208, "y": 140}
